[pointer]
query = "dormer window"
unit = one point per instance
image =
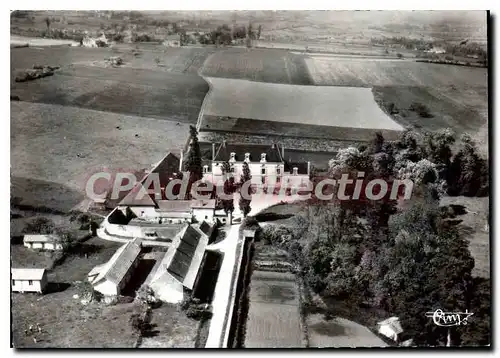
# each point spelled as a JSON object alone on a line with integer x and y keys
{"x": 263, "y": 170}
{"x": 205, "y": 169}
{"x": 263, "y": 157}
{"x": 295, "y": 170}
{"x": 278, "y": 170}
{"x": 247, "y": 157}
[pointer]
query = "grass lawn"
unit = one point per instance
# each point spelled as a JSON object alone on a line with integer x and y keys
{"x": 171, "y": 328}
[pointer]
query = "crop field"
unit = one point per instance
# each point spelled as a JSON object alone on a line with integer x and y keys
{"x": 273, "y": 317}
{"x": 133, "y": 92}
{"x": 457, "y": 97}
{"x": 55, "y": 146}
{"x": 264, "y": 65}
{"x": 338, "y": 71}
{"x": 314, "y": 105}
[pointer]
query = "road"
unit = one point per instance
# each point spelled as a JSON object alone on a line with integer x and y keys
{"x": 223, "y": 287}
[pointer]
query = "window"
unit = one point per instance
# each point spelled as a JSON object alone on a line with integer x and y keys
{"x": 278, "y": 170}
{"x": 205, "y": 169}
{"x": 278, "y": 179}
{"x": 206, "y": 217}
{"x": 30, "y": 283}
{"x": 263, "y": 171}
{"x": 263, "y": 180}
{"x": 13, "y": 282}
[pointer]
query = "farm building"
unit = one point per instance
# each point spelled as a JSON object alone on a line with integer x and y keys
{"x": 172, "y": 40}
{"x": 268, "y": 167}
{"x": 110, "y": 278}
{"x": 180, "y": 267}
{"x": 44, "y": 242}
{"x": 29, "y": 280}
{"x": 391, "y": 328}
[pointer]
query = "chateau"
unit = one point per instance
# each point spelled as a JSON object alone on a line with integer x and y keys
{"x": 267, "y": 165}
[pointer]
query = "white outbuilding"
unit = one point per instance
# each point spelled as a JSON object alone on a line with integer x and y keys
{"x": 112, "y": 277}
{"x": 28, "y": 280}
{"x": 391, "y": 328}
{"x": 43, "y": 242}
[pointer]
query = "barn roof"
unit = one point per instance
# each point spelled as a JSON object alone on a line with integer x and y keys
{"x": 138, "y": 196}
{"x": 27, "y": 273}
{"x": 165, "y": 168}
{"x": 41, "y": 238}
{"x": 183, "y": 259}
{"x": 120, "y": 262}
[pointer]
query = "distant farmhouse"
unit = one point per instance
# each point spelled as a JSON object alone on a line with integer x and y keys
{"x": 172, "y": 40}
{"x": 267, "y": 165}
{"x": 44, "y": 242}
{"x": 28, "y": 280}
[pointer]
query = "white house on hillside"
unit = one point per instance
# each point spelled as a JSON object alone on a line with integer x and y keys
{"x": 267, "y": 165}
{"x": 28, "y": 280}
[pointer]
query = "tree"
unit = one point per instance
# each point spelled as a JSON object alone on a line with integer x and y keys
{"x": 229, "y": 189}
{"x": 468, "y": 173}
{"x": 193, "y": 161}
{"x": 40, "y": 225}
{"x": 439, "y": 151}
{"x": 245, "y": 202}
{"x": 259, "y": 31}
{"x": 48, "y": 21}
{"x": 426, "y": 265}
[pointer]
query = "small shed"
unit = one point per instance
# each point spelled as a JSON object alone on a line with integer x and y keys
{"x": 28, "y": 280}
{"x": 43, "y": 242}
{"x": 391, "y": 328}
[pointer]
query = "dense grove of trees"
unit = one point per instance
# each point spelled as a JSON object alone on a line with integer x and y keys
{"x": 407, "y": 260}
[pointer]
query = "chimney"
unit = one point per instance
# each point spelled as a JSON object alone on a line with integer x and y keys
{"x": 295, "y": 170}
{"x": 263, "y": 158}
{"x": 308, "y": 168}
{"x": 213, "y": 151}
{"x": 282, "y": 152}
{"x": 232, "y": 158}
{"x": 247, "y": 157}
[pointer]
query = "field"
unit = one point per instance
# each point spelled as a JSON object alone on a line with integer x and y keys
{"x": 264, "y": 65}
{"x": 68, "y": 144}
{"x": 171, "y": 329}
{"x": 127, "y": 91}
{"x": 273, "y": 317}
{"x": 327, "y": 106}
{"x": 474, "y": 227}
{"x": 365, "y": 72}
